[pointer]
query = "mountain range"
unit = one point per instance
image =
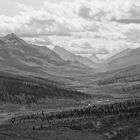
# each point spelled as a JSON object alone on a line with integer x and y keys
{"x": 94, "y": 58}
{"x": 123, "y": 59}
{"x": 18, "y": 56}
{"x": 67, "y": 55}
{"x": 67, "y": 70}
{"x": 118, "y": 55}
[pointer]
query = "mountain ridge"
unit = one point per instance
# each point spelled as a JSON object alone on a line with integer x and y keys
{"x": 127, "y": 58}
{"x": 17, "y": 56}
{"x": 94, "y": 58}
{"x": 67, "y": 55}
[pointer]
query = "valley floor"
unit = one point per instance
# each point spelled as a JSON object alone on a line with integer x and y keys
{"x": 129, "y": 130}
{"x": 24, "y": 127}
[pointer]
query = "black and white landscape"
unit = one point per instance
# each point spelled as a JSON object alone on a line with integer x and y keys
{"x": 70, "y": 70}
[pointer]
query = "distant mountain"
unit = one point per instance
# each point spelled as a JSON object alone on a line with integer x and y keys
{"x": 119, "y": 54}
{"x": 94, "y": 58}
{"x": 66, "y": 55}
{"x": 124, "y": 75}
{"x": 13, "y": 39}
{"x": 19, "y": 49}
{"x": 63, "y": 53}
{"x": 123, "y": 82}
{"x": 17, "y": 56}
{"x": 124, "y": 59}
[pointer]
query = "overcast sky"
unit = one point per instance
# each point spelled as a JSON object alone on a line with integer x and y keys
{"x": 81, "y": 26}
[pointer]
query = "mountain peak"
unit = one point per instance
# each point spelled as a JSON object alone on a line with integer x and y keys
{"x": 13, "y": 39}
{"x": 120, "y": 54}
{"x": 94, "y": 58}
{"x": 58, "y": 48}
{"x": 11, "y": 36}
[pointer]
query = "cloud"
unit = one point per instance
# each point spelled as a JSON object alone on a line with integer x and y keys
{"x": 84, "y": 12}
{"x": 91, "y": 24}
{"x": 132, "y": 13}
{"x": 39, "y": 40}
{"x": 133, "y": 35}
{"x": 23, "y": 7}
{"x": 102, "y": 51}
{"x": 135, "y": 10}
{"x": 83, "y": 48}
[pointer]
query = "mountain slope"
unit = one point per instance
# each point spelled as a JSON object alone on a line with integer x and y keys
{"x": 27, "y": 89}
{"x": 122, "y": 83}
{"x": 123, "y": 53}
{"x": 126, "y": 58}
{"x": 13, "y": 39}
{"x": 18, "y": 56}
{"x": 128, "y": 74}
{"x": 66, "y": 55}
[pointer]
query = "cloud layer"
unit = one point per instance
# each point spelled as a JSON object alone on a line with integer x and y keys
{"x": 103, "y": 26}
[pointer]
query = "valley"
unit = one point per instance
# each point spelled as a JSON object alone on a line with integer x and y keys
{"x": 53, "y": 96}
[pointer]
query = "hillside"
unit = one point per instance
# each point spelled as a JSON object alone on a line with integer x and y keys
{"x": 129, "y": 74}
{"x": 124, "y": 59}
{"x": 122, "y": 83}
{"x": 66, "y": 55}
{"x": 18, "y": 56}
{"x": 27, "y": 90}
{"x": 112, "y": 121}
{"x": 122, "y": 53}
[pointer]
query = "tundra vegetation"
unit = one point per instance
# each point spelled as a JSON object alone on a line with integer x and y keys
{"x": 117, "y": 121}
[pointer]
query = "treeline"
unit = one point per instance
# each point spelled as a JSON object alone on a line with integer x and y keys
{"x": 120, "y": 77}
{"x": 130, "y": 88}
{"x": 85, "y": 117}
{"x": 28, "y": 91}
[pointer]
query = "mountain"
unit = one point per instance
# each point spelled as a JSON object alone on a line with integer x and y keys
{"x": 120, "y": 83}
{"x": 17, "y": 56}
{"x": 19, "y": 49}
{"x": 13, "y": 39}
{"x": 124, "y": 59}
{"x": 124, "y": 75}
{"x": 66, "y": 55}
{"x": 94, "y": 58}
{"x": 29, "y": 89}
{"x": 119, "y": 54}
{"x": 63, "y": 53}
